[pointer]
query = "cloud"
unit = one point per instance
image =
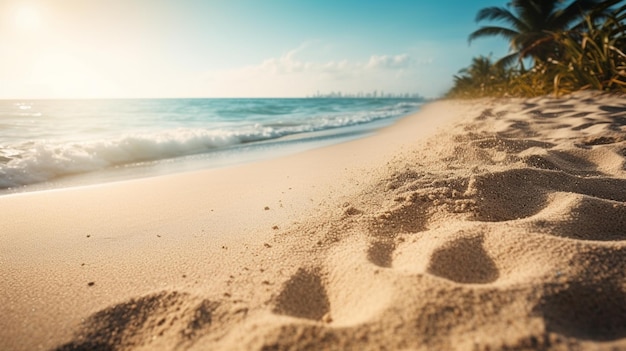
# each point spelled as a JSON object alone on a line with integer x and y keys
{"x": 290, "y": 74}
{"x": 390, "y": 62}
{"x": 290, "y": 64}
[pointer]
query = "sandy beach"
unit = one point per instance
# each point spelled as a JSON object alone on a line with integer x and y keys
{"x": 493, "y": 224}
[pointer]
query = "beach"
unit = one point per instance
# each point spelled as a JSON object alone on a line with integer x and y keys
{"x": 485, "y": 224}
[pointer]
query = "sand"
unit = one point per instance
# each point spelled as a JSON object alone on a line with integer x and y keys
{"x": 472, "y": 225}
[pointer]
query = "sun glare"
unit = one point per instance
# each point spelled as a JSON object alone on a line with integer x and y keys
{"x": 27, "y": 18}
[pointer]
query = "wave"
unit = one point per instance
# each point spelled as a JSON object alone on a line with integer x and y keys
{"x": 38, "y": 161}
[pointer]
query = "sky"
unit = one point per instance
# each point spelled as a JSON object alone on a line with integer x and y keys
{"x": 235, "y": 48}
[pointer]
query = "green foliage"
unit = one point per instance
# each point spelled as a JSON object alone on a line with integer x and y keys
{"x": 596, "y": 57}
{"x": 530, "y": 24}
{"x": 481, "y": 78}
{"x": 588, "y": 54}
{"x": 507, "y": 83}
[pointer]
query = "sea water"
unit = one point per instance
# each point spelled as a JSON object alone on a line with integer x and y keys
{"x": 52, "y": 143}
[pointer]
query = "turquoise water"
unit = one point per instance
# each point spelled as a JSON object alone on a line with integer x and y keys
{"x": 49, "y": 142}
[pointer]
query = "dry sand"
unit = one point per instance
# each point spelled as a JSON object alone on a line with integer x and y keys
{"x": 503, "y": 229}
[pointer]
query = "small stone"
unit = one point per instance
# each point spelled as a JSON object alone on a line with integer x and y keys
{"x": 91, "y": 283}
{"x": 266, "y": 208}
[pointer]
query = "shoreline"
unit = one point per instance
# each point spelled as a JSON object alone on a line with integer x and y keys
{"x": 457, "y": 218}
{"x": 79, "y": 142}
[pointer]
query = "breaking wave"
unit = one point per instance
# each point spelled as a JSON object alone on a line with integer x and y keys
{"x": 35, "y": 161}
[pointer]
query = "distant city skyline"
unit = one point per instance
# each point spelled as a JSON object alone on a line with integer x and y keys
{"x": 366, "y": 94}
{"x": 234, "y": 48}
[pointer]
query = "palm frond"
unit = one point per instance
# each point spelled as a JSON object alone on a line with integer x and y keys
{"x": 506, "y": 33}
{"x": 534, "y": 13}
{"x": 574, "y": 12}
{"x": 500, "y": 14}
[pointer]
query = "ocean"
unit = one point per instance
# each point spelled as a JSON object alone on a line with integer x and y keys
{"x": 48, "y": 144}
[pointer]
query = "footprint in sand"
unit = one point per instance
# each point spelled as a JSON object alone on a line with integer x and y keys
{"x": 521, "y": 193}
{"x": 303, "y": 296}
{"x": 338, "y": 295}
{"x": 563, "y": 161}
{"x": 582, "y": 217}
{"x": 464, "y": 261}
{"x": 380, "y": 253}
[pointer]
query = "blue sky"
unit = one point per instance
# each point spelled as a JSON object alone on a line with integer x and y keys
{"x": 234, "y": 48}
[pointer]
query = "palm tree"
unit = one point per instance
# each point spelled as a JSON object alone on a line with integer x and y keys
{"x": 481, "y": 70}
{"x": 532, "y": 24}
{"x": 481, "y": 77}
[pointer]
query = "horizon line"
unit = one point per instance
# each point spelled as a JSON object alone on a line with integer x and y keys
{"x": 223, "y": 98}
